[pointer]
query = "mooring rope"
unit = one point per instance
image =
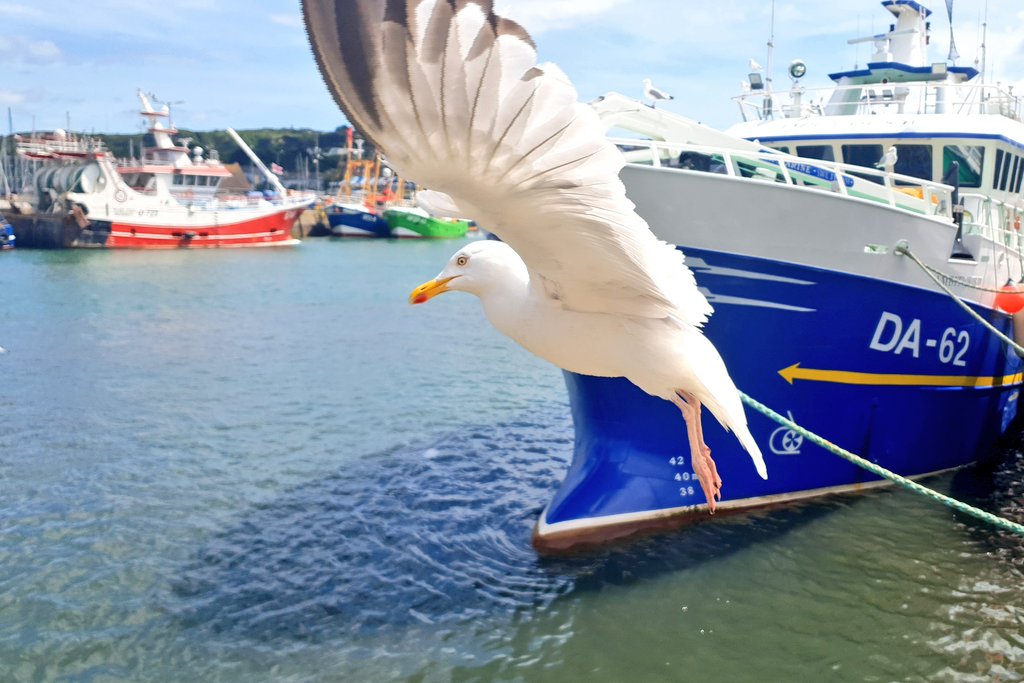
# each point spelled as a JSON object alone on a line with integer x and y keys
{"x": 904, "y": 250}
{"x": 995, "y": 520}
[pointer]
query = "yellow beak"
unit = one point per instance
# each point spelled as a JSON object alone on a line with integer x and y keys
{"x": 428, "y": 290}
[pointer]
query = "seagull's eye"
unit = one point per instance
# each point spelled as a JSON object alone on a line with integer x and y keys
{"x": 461, "y": 261}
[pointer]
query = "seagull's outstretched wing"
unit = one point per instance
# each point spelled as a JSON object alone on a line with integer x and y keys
{"x": 454, "y": 96}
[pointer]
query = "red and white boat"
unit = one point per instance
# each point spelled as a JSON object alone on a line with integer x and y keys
{"x": 167, "y": 199}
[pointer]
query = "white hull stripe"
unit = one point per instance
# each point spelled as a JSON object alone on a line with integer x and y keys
{"x": 756, "y": 303}
{"x": 699, "y": 264}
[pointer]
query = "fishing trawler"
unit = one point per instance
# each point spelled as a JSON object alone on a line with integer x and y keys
{"x": 414, "y": 222}
{"x": 166, "y": 199}
{"x": 820, "y": 229}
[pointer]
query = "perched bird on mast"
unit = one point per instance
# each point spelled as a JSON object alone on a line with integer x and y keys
{"x": 453, "y": 94}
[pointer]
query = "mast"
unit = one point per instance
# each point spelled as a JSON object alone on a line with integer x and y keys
{"x": 271, "y": 178}
{"x": 6, "y": 164}
{"x": 771, "y": 52}
{"x": 984, "y": 39}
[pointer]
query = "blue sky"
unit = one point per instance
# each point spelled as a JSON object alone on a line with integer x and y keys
{"x": 247, "y": 64}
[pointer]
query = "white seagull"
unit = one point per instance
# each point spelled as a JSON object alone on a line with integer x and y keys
{"x": 454, "y": 96}
{"x": 653, "y": 94}
{"x": 888, "y": 159}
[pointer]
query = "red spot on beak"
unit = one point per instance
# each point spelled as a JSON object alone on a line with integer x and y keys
{"x": 422, "y": 298}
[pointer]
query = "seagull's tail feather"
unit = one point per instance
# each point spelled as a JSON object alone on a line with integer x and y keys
{"x": 736, "y": 422}
{"x": 720, "y": 394}
{"x": 746, "y": 440}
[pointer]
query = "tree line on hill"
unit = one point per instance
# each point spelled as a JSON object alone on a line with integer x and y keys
{"x": 297, "y": 151}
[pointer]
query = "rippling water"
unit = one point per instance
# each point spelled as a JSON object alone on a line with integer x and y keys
{"x": 264, "y": 465}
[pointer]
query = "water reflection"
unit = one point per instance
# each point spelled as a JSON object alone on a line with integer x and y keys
{"x": 437, "y": 536}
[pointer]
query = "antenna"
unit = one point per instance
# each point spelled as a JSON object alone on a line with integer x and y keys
{"x": 771, "y": 49}
{"x": 984, "y": 38}
{"x": 982, "y": 51}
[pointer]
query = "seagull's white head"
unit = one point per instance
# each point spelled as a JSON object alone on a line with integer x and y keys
{"x": 647, "y": 83}
{"x": 477, "y": 268}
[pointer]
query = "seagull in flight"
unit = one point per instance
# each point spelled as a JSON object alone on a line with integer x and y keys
{"x": 653, "y": 94}
{"x": 454, "y": 96}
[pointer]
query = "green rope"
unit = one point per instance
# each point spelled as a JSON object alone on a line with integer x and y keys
{"x": 995, "y": 520}
{"x": 905, "y": 251}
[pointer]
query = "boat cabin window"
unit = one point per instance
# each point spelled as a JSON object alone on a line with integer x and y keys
{"x": 1009, "y": 168}
{"x": 820, "y": 152}
{"x": 190, "y": 180}
{"x": 863, "y": 155}
{"x": 1002, "y": 175}
{"x": 178, "y": 179}
{"x": 201, "y": 180}
{"x": 695, "y": 161}
{"x": 143, "y": 181}
{"x": 970, "y": 157}
{"x": 914, "y": 160}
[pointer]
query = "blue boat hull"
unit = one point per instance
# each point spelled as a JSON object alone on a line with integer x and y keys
{"x": 846, "y": 356}
{"x": 356, "y": 222}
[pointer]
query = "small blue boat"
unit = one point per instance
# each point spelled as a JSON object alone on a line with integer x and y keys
{"x": 7, "y": 238}
{"x": 355, "y": 220}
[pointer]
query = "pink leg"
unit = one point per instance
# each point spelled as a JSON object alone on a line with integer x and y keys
{"x": 703, "y": 465}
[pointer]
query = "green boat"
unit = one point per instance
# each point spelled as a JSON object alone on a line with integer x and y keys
{"x": 410, "y": 222}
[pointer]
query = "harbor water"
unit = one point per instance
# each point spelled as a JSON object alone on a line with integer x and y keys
{"x": 264, "y": 465}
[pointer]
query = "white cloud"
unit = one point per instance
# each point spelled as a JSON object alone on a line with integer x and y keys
{"x": 19, "y": 50}
{"x": 11, "y": 98}
{"x": 42, "y": 51}
{"x": 292, "y": 20}
{"x": 538, "y": 16}
{"x": 16, "y": 10}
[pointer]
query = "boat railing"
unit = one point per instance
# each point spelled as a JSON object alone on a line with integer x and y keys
{"x": 58, "y": 145}
{"x": 993, "y": 219}
{"x": 892, "y": 189}
{"x": 881, "y": 98}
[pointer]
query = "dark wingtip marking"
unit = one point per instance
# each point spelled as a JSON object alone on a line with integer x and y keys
{"x": 344, "y": 56}
{"x": 397, "y": 12}
{"x": 507, "y": 27}
{"x": 532, "y": 73}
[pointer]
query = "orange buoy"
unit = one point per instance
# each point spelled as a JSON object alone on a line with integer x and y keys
{"x": 1010, "y": 298}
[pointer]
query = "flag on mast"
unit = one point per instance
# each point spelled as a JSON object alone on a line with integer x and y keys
{"x": 953, "y": 54}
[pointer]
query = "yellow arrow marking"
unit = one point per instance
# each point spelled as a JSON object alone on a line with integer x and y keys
{"x": 794, "y": 372}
